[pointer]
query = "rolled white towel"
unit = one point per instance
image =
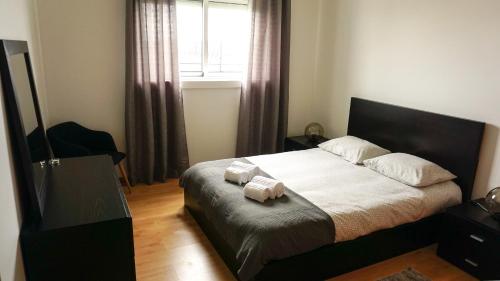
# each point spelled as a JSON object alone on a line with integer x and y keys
{"x": 236, "y": 175}
{"x": 252, "y": 170}
{"x": 256, "y": 191}
{"x": 277, "y": 187}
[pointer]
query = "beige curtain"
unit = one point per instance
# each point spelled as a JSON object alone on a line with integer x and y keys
{"x": 155, "y": 130}
{"x": 263, "y": 118}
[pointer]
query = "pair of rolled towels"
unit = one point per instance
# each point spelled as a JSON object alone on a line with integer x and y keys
{"x": 262, "y": 188}
{"x": 240, "y": 173}
{"x": 257, "y": 187}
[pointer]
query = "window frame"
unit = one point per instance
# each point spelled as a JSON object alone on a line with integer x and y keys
{"x": 204, "y": 6}
{"x": 204, "y": 74}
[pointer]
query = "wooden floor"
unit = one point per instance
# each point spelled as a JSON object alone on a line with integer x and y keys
{"x": 169, "y": 245}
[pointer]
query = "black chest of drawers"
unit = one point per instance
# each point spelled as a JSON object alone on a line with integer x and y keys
{"x": 470, "y": 239}
{"x": 86, "y": 230}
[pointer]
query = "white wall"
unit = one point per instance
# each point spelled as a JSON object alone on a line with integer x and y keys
{"x": 303, "y": 47}
{"x": 83, "y": 45}
{"x": 11, "y": 266}
{"x": 17, "y": 22}
{"x": 436, "y": 55}
{"x": 211, "y": 113}
{"x": 211, "y": 116}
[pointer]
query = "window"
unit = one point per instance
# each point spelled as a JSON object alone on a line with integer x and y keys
{"x": 212, "y": 37}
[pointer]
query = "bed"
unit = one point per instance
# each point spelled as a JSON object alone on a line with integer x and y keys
{"x": 450, "y": 142}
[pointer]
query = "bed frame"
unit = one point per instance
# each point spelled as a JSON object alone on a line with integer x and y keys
{"x": 451, "y": 142}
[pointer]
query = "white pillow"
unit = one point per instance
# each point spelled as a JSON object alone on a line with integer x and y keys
{"x": 409, "y": 169}
{"x": 353, "y": 149}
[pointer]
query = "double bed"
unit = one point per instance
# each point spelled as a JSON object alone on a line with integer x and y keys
{"x": 336, "y": 216}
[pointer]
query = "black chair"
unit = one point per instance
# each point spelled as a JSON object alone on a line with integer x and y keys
{"x": 70, "y": 139}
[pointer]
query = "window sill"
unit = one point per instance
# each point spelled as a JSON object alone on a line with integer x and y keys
{"x": 201, "y": 83}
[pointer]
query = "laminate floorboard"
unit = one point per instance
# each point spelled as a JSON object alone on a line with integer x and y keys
{"x": 169, "y": 245}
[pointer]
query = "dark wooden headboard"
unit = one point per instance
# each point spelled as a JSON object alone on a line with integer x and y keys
{"x": 450, "y": 142}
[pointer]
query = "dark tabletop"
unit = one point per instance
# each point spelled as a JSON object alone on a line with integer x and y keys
{"x": 304, "y": 140}
{"x": 81, "y": 191}
{"x": 476, "y": 215}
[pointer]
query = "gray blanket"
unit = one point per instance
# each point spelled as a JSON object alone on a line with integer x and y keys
{"x": 257, "y": 232}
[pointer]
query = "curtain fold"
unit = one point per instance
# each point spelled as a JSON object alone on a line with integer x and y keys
{"x": 263, "y": 117}
{"x": 154, "y": 117}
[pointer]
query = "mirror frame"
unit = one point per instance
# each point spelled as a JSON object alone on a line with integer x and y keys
{"x": 32, "y": 198}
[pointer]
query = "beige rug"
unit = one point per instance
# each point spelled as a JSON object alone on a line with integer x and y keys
{"x": 408, "y": 274}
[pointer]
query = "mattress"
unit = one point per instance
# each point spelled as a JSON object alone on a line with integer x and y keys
{"x": 359, "y": 200}
{"x": 257, "y": 233}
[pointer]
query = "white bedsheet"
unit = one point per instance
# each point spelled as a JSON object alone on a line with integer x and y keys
{"x": 359, "y": 200}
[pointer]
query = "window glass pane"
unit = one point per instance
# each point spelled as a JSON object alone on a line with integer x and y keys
{"x": 190, "y": 36}
{"x": 228, "y": 31}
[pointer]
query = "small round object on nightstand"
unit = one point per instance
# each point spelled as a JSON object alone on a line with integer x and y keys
{"x": 492, "y": 201}
{"x": 314, "y": 131}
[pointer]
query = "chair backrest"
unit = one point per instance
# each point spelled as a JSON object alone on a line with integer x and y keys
{"x": 67, "y": 131}
{"x": 66, "y": 140}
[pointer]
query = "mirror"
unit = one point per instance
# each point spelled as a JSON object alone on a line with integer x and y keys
{"x": 29, "y": 142}
{"x": 22, "y": 88}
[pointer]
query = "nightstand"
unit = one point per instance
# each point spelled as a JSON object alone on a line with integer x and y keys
{"x": 470, "y": 239}
{"x": 301, "y": 143}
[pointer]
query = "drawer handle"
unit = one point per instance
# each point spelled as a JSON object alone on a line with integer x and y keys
{"x": 477, "y": 238}
{"x": 471, "y": 263}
